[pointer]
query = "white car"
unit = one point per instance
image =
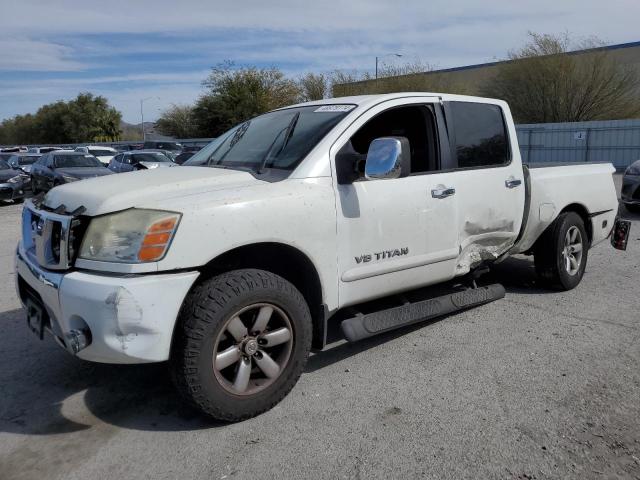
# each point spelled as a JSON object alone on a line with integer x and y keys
{"x": 233, "y": 266}
{"x": 102, "y": 153}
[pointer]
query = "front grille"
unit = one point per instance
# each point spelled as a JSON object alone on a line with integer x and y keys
{"x": 51, "y": 239}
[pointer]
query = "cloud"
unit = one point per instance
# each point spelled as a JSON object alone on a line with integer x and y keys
{"x": 125, "y": 49}
{"x": 35, "y": 55}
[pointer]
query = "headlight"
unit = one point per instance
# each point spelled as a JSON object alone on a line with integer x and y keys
{"x": 633, "y": 169}
{"x": 69, "y": 178}
{"x": 15, "y": 179}
{"x": 131, "y": 236}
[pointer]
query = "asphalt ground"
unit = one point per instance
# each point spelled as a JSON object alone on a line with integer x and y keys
{"x": 538, "y": 385}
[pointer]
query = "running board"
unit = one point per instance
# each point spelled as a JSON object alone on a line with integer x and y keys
{"x": 367, "y": 325}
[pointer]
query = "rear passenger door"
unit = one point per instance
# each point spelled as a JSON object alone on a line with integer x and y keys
{"x": 487, "y": 176}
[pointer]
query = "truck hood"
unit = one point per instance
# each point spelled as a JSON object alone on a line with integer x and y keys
{"x": 144, "y": 188}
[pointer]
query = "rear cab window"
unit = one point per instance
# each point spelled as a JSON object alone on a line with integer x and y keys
{"x": 478, "y": 135}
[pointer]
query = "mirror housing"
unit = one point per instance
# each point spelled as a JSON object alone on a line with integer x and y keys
{"x": 388, "y": 158}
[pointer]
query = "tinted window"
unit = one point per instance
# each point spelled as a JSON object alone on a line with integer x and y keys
{"x": 27, "y": 159}
{"x": 71, "y": 161}
{"x": 5, "y": 156}
{"x": 480, "y": 134}
{"x": 4, "y": 165}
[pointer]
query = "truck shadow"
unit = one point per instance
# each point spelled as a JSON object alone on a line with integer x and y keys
{"x": 46, "y": 390}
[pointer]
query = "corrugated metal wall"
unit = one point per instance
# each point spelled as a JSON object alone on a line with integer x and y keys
{"x": 615, "y": 141}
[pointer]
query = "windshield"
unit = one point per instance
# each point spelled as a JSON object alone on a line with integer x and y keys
{"x": 4, "y": 165}
{"x": 101, "y": 153}
{"x": 149, "y": 157}
{"x": 278, "y": 140}
{"x": 27, "y": 160}
{"x": 72, "y": 161}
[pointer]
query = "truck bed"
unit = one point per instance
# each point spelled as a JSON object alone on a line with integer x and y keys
{"x": 587, "y": 188}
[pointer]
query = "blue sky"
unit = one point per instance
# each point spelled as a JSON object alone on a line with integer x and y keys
{"x": 128, "y": 50}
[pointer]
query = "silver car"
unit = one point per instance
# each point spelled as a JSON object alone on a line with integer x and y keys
{"x": 139, "y": 160}
{"x": 631, "y": 187}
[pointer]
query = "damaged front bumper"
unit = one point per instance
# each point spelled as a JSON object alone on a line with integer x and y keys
{"x": 105, "y": 318}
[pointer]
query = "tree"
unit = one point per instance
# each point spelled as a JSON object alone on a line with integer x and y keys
{"x": 178, "y": 121}
{"x": 408, "y": 77}
{"x": 87, "y": 118}
{"x": 543, "y": 82}
{"x": 235, "y": 95}
{"x": 313, "y": 86}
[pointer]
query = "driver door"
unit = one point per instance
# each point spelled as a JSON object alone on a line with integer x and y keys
{"x": 395, "y": 234}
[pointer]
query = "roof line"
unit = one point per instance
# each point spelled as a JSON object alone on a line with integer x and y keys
{"x": 574, "y": 52}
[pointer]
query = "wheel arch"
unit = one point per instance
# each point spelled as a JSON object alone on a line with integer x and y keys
{"x": 582, "y": 211}
{"x": 286, "y": 261}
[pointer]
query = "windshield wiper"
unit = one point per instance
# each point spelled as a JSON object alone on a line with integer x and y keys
{"x": 287, "y": 136}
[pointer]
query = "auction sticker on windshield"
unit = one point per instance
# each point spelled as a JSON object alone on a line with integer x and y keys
{"x": 335, "y": 108}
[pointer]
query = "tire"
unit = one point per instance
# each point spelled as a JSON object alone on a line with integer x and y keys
{"x": 632, "y": 208}
{"x": 207, "y": 326}
{"x": 18, "y": 200}
{"x": 553, "y": 267}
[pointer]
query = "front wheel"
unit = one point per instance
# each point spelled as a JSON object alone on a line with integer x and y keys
{"x": 242, "y": 341}
{"x": 561, "y": 252}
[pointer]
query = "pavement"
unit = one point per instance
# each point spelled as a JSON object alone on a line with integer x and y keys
{"x": 538, "y": 385}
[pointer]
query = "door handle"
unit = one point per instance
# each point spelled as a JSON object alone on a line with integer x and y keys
{"x": 512, "y": 183}
{"x": 443, "y": 192}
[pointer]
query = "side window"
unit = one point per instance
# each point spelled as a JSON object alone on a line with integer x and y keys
{"x": 480, "y": 136}
{"x": 117, "y": 158}
{"x": 415, "y": 122}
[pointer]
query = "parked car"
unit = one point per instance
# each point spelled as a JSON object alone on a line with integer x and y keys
{"x": 183, "y": 157}
{"x": 162, "y": 145}
{"x": 139, "y": 160}
{"x": 233, "y": 266}
{"x": 102, "y": 153}
{"x": 11, "y": 183}
{"x": 630, "y": 194}
{"x": 64, "y": 166}
{"x": 14, "y": 149}
{"x": 23, "y": 161}
{"x": 43, "y": 150}
{"x": 172, "y": 154}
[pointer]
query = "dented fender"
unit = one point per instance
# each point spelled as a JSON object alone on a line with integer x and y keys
{"x": 131, "y": 319}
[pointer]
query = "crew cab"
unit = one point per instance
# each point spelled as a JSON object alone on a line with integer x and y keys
{"x": 235, "y": 265}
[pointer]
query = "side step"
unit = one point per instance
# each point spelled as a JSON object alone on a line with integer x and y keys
{"x": 363, "y": 326}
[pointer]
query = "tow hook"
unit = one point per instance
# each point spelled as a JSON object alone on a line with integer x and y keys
{"x": 77, "y": 340}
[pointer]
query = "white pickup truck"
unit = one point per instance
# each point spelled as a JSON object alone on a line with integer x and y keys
{"x": 234, "y": 266}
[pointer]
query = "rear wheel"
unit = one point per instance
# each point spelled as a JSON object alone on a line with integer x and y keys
{"x": 561, "y": 252}
{"x": 242, "y": 342}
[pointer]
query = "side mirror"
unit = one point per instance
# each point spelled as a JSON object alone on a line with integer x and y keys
{"x": 388, "y": 158}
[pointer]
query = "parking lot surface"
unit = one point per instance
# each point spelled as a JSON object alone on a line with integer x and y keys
{"x": 538, "y": 385}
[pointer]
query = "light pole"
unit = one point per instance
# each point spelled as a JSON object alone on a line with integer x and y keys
{"x": 142, "y": 100}
{"x": 385, "y": 55}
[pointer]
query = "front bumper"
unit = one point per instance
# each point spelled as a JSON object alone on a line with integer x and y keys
{"x": 630, "y": 193}
{"x": 11, "y": 191}
{"x": 130, "y": 319}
